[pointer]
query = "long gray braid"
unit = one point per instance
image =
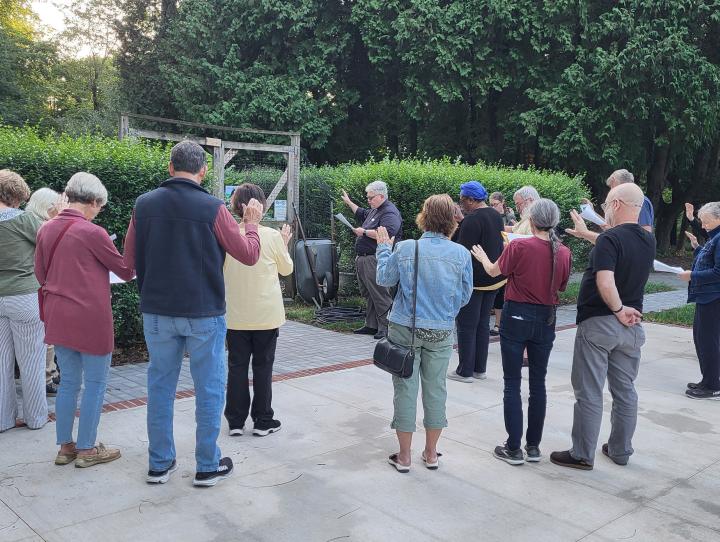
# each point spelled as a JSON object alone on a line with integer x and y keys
{"x": 545, "y": 216}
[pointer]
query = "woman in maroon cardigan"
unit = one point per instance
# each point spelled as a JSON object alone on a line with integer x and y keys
{"x": 73, "y": 259}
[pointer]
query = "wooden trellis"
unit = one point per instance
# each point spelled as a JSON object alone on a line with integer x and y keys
{"x": 223, "y": 151}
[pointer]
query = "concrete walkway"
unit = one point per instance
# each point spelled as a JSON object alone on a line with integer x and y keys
{"x": 324, "y": 477}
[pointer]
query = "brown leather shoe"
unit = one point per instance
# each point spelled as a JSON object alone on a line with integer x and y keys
{"x": 103, "y": 455}
{"x": 65, "y": 459}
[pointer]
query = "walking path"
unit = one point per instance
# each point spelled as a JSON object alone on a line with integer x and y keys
{"x": 325, "y": 475}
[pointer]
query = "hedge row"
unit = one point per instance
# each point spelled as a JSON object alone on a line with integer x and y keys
{"x": 129, "y": 168}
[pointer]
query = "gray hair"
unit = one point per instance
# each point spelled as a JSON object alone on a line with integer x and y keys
{"x": 379, "y": 187}
{"x": 620, "y": 176}
{"x": 527, "y": 193}
{"x": 41, "y": 202}
{"x": 86, "y": 188}
{"x": 187, "y": 156}
{"x": 712, "y": 209}
{"x": 544, "y": 214}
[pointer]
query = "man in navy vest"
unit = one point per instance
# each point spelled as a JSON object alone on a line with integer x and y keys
{"x": 177, "y": 239}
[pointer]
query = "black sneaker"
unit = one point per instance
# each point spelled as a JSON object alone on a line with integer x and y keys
{"x": 513, "y": 457}
{"x": 161, "y": 476}
{"x": 494, "y": 332}
{"x": 564, "y": 459}
{"x": 51, "y": 390}
{"x": 703, "y": 393}
{"x": 207, "y": 479}
{"x": 264, "y": 428}
{"x": 365, "y": 331}
{"x": 694, "y": 385}
{"x": 237, "y": 431}
{"x": 533, "y": 454}
{"x": 606, "y": 452}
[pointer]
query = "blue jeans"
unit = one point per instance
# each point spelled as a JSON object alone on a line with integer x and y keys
{"x": 168, "y": 338}
{"x": 78, "y": 368}
{"x": 525, "y": 325}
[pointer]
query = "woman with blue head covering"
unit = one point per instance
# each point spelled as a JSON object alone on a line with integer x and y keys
{"x": 482, "y": 226}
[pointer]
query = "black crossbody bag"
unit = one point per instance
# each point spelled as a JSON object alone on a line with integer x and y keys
{"x": 396, "y": 359}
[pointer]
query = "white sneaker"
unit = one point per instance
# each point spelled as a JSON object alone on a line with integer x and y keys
{"x": 452, "y": 375}
{"x": 237, "y": 432}
{"x": 479, "y": 376}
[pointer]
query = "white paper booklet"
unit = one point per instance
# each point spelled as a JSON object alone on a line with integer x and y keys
{"x": 341, "y": 218}
{"x": 588, "y": 213}
{"x": 114, "y": 279}
{"x": 665, "y": 268}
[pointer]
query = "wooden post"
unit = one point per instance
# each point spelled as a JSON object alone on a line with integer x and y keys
{"x": 124, "y": 127}
{"x": 293, "y": 179}
{"x": 219, "y": 170}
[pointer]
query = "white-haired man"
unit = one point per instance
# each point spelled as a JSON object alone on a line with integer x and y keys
{"x": 523, "y": 198}
{"x": 381, "y": 213}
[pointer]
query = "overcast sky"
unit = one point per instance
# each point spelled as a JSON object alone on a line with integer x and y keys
{"x": 49, "y": 15}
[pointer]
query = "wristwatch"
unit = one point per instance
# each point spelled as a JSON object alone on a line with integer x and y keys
{"x": 364, "y": 232}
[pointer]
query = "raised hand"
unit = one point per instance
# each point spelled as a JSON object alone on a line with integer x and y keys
{"x": 252, "y": 212}
{"x": 346, "y": 198}
{"x": 690, "y": 211}
{"x": 693, "y": 240}
{"x": 383, "y": 238}
{"x": 580, "y": 229}
{"x": 286, "y": 233}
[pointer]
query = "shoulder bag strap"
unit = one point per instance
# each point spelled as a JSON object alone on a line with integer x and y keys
{"x": 54, "y": 247}
{"x": 415, "y": 289}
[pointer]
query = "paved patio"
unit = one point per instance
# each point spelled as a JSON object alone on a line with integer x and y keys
{"x": 324, "y": 476}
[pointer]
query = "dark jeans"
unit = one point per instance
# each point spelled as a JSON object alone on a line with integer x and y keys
{"x": 706, "y": 334}
{"x": 473, "y": 332}
{"x": 525, "y": 326}
{"x": 242, "y": 345}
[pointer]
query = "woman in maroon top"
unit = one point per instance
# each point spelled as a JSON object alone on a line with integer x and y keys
{"x": 73, "y": 259}
{"x": 537, "y": 268}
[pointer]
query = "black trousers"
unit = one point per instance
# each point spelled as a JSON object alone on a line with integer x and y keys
{"x": 706, "y": 333}
{"x": 473, "y": 332}
{"x": 258, "y": 345}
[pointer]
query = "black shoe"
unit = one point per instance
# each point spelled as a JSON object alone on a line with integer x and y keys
{"x": 694, "y": 385}
{"x": 533, "y": 454}
{"x": 161, "y": 476}
{"x": 606, "y": 451}
{"x": 703, "y": 393}
{"x": 494, "y": 332}
{"x": 513, "y": 457}
{"x": 365, "y": 331}
{"x": 264, "y": 428}
{"x": 564, "y": 459}
{"x": 51, "y": 390}
{"x": 380, "y": 335}
{"x": 207, "y": 479}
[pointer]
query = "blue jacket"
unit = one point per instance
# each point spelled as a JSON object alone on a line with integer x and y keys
{"x": 445, "y": 280}
{"x": 704, "y": 284}
{"x": 179, "y": 260}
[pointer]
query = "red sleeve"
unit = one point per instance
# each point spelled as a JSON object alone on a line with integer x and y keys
{"x": 244, "y": 248}
{"x": 567, "y": 266}
{"x": 129, "y": 245}
{"x": 104, "y": 250}
{"x": 506, "y": 262}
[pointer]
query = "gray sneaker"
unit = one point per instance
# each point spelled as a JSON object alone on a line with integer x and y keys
{"x": 452, "y": 375}
{"x": 480, "y": 376}
{"x": 513, "y": 457}
{"x": 533, "y": 454}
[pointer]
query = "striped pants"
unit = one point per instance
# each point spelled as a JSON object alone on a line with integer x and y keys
{"x": 22, "y": 337}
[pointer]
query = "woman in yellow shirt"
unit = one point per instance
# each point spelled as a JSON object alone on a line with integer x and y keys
{"x": 255, "y": 313}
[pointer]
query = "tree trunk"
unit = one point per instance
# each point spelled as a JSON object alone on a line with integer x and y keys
{"x": 412, "y": 137}
{"x": 657, "y": 174}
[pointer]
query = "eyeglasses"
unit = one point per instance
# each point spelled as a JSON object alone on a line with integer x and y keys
{"x": 603, "y": 206}
{"x": 370, "y": 198}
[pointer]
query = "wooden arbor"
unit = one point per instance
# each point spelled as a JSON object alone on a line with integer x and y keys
{"x": 223, "y": 151}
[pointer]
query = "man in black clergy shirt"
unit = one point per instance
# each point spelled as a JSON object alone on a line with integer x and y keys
{"x": 381, "y": 213}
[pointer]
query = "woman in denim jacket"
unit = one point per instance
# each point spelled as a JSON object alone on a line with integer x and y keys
{"x": 704, "y": 290}
{"x": 445, "y": 284}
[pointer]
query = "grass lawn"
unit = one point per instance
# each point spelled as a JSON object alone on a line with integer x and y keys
{"x": 569, "y": 296}
{"x": 680, "y": 316}
{"x": 305, "y": 314}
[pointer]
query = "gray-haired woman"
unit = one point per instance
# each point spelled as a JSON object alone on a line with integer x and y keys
{"x": 537, "y": 268}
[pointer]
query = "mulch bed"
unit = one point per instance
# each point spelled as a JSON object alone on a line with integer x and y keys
{"x": 136, "y": 353}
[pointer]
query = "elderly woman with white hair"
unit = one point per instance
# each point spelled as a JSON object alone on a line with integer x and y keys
{"x": 21, "y": 331}
{"x": 704, "y": 290}
{"x": 72, "y": 264}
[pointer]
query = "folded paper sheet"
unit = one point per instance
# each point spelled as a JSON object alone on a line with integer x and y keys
{"x": 114, "y": 279}
{"x": 341, "y": 218}
{"x": 665, "y": 268}
{"x": 588, "y": 213}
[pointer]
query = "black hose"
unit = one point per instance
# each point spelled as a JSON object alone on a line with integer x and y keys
{"x": 331, "y": 315}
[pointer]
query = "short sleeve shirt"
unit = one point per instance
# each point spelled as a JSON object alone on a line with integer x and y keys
{"x": 647, "y": 215}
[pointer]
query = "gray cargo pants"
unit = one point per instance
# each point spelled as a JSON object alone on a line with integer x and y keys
{"x": 605, "y": 348}
{"x": 378, "y": 298}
